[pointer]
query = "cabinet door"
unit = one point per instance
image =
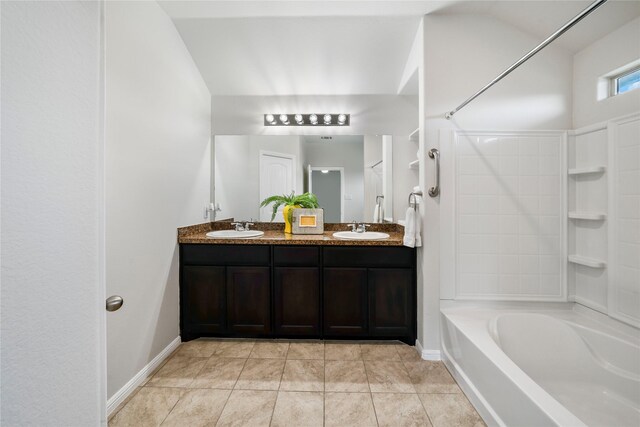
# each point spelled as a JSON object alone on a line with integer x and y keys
{"x": 248, "y": 300}
{"x": 297, "y": 300}
{"x": 345, "y": 301}
{"x": 390, "y": 302}
{"x": 203, "y": 300}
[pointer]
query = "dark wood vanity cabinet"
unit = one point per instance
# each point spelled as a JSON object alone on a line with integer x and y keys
{"x": 248, "y": 300}
{"x": 287, "y": 291}
{"x": 345, "y": 302}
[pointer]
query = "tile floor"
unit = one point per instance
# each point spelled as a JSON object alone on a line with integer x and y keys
{"x": 210, "y": 382}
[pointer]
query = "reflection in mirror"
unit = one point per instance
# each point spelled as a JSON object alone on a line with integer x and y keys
{"x": 347, "y": 173}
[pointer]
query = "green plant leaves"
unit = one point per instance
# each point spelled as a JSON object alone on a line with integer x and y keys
{"x": 306, "y": 200}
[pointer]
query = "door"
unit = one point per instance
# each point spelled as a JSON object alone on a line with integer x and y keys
{"x": 248, "y": 300}
{"x": 277, "y": 177}
{"x": 345, "y": 301}
{"x": 327, "y": 183}
{"x": 297, "y": 300}
{"x": 203, "y": 299}
{"x": 390, "y": 301}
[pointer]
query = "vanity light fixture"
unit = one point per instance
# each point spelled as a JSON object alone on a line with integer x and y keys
{"x": 307, "y": 119}
{"x": 324, "y": 171}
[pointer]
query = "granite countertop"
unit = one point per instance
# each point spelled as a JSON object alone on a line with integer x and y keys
{"x": 274, "y": 235}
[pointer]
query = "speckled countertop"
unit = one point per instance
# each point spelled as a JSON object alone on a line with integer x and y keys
{"x": 274, "y": 235}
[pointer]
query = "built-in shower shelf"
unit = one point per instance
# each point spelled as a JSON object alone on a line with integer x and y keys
{"x": 414, "y": 135}
{"x": 587, "y": 170}
{"x": 414, "y": 164}
{"x": 592, "y": 216}
{"x": 586, "y": 261}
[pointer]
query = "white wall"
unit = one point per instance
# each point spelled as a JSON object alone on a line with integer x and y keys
{"x": 372, "y": 176}
{"x": 370, "y": 114}
{"x": 461, "y": 54}
{"x": 232, "y": 179}
{"x": 350, "y": 156}
{"x": 52, "y": 290}
{"x": 157, "y": 174}
{"x": 613, "y": 51}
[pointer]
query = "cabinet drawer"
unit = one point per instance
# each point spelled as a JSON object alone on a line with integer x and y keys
{"x": 362, "y": 256}
{"x": 225, "y": 254}
{"x": 296, "y": 255}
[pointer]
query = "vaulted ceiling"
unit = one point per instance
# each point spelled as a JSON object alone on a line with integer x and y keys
{"x": 310, "y": 47}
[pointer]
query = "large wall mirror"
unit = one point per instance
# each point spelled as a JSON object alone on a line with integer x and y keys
{"x": 351, "y": 175}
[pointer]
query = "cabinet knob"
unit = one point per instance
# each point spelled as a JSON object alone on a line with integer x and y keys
{"x": 114, "y": 302}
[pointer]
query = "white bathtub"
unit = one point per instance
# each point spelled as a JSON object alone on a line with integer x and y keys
{"x": 543, "y": 364}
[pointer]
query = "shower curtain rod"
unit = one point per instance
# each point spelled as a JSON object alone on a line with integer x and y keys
{"x": 593, "y": 6}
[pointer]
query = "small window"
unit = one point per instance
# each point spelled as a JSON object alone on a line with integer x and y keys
{"x": 625, "y": 82}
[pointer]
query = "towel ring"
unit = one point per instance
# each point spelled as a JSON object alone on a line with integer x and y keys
{"x": 414, "y": 204}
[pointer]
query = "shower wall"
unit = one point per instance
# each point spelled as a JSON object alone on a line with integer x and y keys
{"x": 604, "y": 218}
{"x": 506, "y": 216}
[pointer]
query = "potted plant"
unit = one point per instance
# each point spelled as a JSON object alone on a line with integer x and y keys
{"x": 290, "y": 202}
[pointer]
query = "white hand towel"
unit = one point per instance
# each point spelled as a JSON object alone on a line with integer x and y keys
{"x": 410, "y": 228}
{"x": 418, "y": 227}
{"x": 376, "y": 214}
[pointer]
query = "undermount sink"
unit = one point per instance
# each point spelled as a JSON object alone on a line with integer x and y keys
{"x": 367, "y": 235}
{"x": 233, "y": 234}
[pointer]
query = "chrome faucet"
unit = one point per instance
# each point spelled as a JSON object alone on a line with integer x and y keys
{"x": 242, "y": 225}
{"x": 358, "y": 227}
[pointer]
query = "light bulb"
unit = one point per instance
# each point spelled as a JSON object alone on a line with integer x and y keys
{"x": 313, "y": 119}
{"x": 342, "y": 119}
{"x": 270, "y": 119}
{"x": 299, "y": 119}
{"x": 324, "y": 171}
{"x": 284, "y": 119}
{"x": 327, "y": 119}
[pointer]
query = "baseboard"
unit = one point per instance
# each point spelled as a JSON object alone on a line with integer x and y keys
{"x": 427, "y": 354}
{"x": 124, "y": 392}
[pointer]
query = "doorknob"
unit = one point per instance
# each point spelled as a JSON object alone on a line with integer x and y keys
{"x": 114, "y": 302}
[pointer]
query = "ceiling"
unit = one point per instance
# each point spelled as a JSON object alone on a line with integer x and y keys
{"x": 341, "y": 47}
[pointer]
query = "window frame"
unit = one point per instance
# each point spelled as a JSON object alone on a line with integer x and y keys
{"x": 614, "y": 79}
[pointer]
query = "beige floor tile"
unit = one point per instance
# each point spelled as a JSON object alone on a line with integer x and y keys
{"x": 240, "y": 349}
{"x": 447, "y": 410}
{"x": 219, "y": 372}
{"x": 198, "y": 348}
{"x": 303, "y": 375}
{"x": 399, "y": 410}
{"x": 431, "y": 377}
{"x": 349, "y": 409}
{"x": 388, "y": 377}
{"x": 334, "y": 351}
{"x": 147, "y": 408}
{"x": 178, "y": 372}
{"x": 295, "y": 409}
{"x": 270, "y": 350}
{"x": 124, "y": 402}
{"x": 345, "y": 376}
{"x": 198, "y": 408}
{"x": 408, "y": 353}
{"x": 311, "y": 350}
{"x": 379, "y": 352}
{"x": 261, "y": 374}
{"x": 248, "y": 408}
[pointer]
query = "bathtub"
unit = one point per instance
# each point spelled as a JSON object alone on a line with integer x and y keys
{"x": 543, "y": 364}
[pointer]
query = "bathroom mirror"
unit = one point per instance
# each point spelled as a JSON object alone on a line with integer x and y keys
{"x": 350, "y": 174}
